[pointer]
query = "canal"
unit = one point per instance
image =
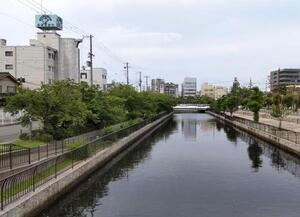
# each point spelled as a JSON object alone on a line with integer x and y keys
{"x": 194, "y": 167}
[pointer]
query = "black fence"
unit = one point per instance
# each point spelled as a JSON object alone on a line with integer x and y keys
{"x": 15, "y": 186}
{"x": 13, "y": 156}
{"x": 289, "y": 135}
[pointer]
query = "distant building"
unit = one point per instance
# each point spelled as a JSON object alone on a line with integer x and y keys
{"x": 189, "y": 87}
{"x": 99, "y": 77}
{"x": 213, "y": 91}
{"x": 220, "y": 91}
{"x": 171, "y": 89}
{"x": 208, "y": 90}
{"x": 111, "y": 85}
{"x": 284, "y": 77}
{"x": 158, "y": 85}
{"x": 47, "y": 58}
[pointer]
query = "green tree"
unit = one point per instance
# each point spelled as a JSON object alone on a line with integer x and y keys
{"x": 59, "y": 107}
{"x": 232, "y": 103}
{"x": 255, "y": 102}
{"x": 278, "y": 109}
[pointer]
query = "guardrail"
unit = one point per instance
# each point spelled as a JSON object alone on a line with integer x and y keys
{"x": 289, "y": 135}
{"x": 15, "y": 186}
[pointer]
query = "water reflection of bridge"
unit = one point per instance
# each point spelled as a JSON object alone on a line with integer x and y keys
{"x": 191, "y": 108}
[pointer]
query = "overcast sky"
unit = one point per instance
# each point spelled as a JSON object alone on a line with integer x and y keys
{"x": 213, "y": 40}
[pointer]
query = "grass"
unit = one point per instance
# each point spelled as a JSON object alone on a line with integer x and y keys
{"x": 76, "y": 144}
{"x": 28, "y": 143}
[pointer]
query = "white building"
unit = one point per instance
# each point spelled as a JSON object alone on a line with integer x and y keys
{"x": 47, "y": 58}
{"x": 158, "y": 85}
{"x": 213, "y": 91}
{"x": 189, "y": 87}
{"x": 99, "y": 77}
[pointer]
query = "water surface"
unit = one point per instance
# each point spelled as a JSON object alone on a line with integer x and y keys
{"x": 194, "y": 167}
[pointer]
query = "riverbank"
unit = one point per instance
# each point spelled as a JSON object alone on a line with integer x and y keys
{"x": 33, "y": 202}
{"x": 285, "y": 144}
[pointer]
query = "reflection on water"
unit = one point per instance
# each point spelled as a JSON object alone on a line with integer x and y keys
{"x": 195, "y": 166}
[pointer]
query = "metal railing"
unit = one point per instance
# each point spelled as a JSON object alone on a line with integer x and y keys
{"x": 13, "y": 156}
{"x": 289, "y": 135}
{"x": 15, "y": 186}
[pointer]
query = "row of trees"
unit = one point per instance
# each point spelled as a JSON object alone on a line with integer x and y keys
{"x": 280, "y": 102}
{"x": 66, "y": 108}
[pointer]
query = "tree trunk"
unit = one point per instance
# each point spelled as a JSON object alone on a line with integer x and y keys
{"x": 280, "y": 123}
{"x": 256, "y": 116}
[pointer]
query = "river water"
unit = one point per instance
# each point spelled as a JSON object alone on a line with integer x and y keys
{"x": 194, "y": 167}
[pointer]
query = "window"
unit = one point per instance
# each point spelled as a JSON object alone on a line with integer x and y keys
{"x": 9, "y": 53}
{"x": 0, "y": 89}
{"x": 83, "y": 75}
{"x": 11, "y": 89}
{"x": 49, "y": 68}
{"x": 9, "y": 67}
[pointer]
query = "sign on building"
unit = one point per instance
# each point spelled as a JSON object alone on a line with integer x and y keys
{"x": 48, "y": 22}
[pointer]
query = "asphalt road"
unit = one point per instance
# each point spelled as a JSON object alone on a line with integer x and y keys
{"x": 10, "y": 133}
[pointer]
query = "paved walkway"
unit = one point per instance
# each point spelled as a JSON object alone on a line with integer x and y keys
{"x": 285, "y": 124}
{"x": 11, "y": 133}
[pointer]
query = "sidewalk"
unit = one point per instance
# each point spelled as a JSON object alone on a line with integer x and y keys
{"x": 285, "y": 124}
{"x": 11, "y": 133}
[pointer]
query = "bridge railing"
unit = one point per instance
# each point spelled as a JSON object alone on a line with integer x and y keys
{"x": 15, "y": 186}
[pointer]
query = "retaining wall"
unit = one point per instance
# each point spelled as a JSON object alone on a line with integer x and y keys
{"x": 32, "y": 203}
{"x": 281, "y": 143}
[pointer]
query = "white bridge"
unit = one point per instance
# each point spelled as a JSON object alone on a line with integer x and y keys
{"x": 191, "y": 108}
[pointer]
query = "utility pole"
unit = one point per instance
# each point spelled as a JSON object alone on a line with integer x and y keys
{"x": 140, "y": 82}
{"x": 147, "y": 77}
{"x": 127, "y": 72}
{"x": 91, "y": 55}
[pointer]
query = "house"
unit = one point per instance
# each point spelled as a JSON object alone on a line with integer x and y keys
{"x": 8, "y": 85}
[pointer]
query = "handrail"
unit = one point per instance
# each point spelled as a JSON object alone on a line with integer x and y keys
{"x": 17, "y": 185}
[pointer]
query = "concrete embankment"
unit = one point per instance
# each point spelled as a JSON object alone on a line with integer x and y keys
{"x": 32, "y": 203}
{"x": 284, "y": 144}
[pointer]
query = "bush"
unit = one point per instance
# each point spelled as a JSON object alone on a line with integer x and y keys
{"x": 107, "y": 130}
{"x": 24, "y": 136}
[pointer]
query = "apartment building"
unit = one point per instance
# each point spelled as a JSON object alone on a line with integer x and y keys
{"x": 213, "y": 91}
{"x": 284, "y": 77}
{"x": 99, "y": 77}
{"x": 171, "y": 89}
{"x": 158, "y": 85}
{"x": 189, "y": 87}
{"x": 45, "y": 59}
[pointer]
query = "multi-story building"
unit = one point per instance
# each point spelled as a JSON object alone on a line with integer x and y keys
{"x": 284, "y": 77}
{"x": 171, "y": 89}
{"x": 189, "y": 87}
{"x": 213, "y": 91}
{"x": 158, "y": 85}
{"x": 208, "y": 90}
{"x": 99, "y": 77}
{"x": 45, "y": 59}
